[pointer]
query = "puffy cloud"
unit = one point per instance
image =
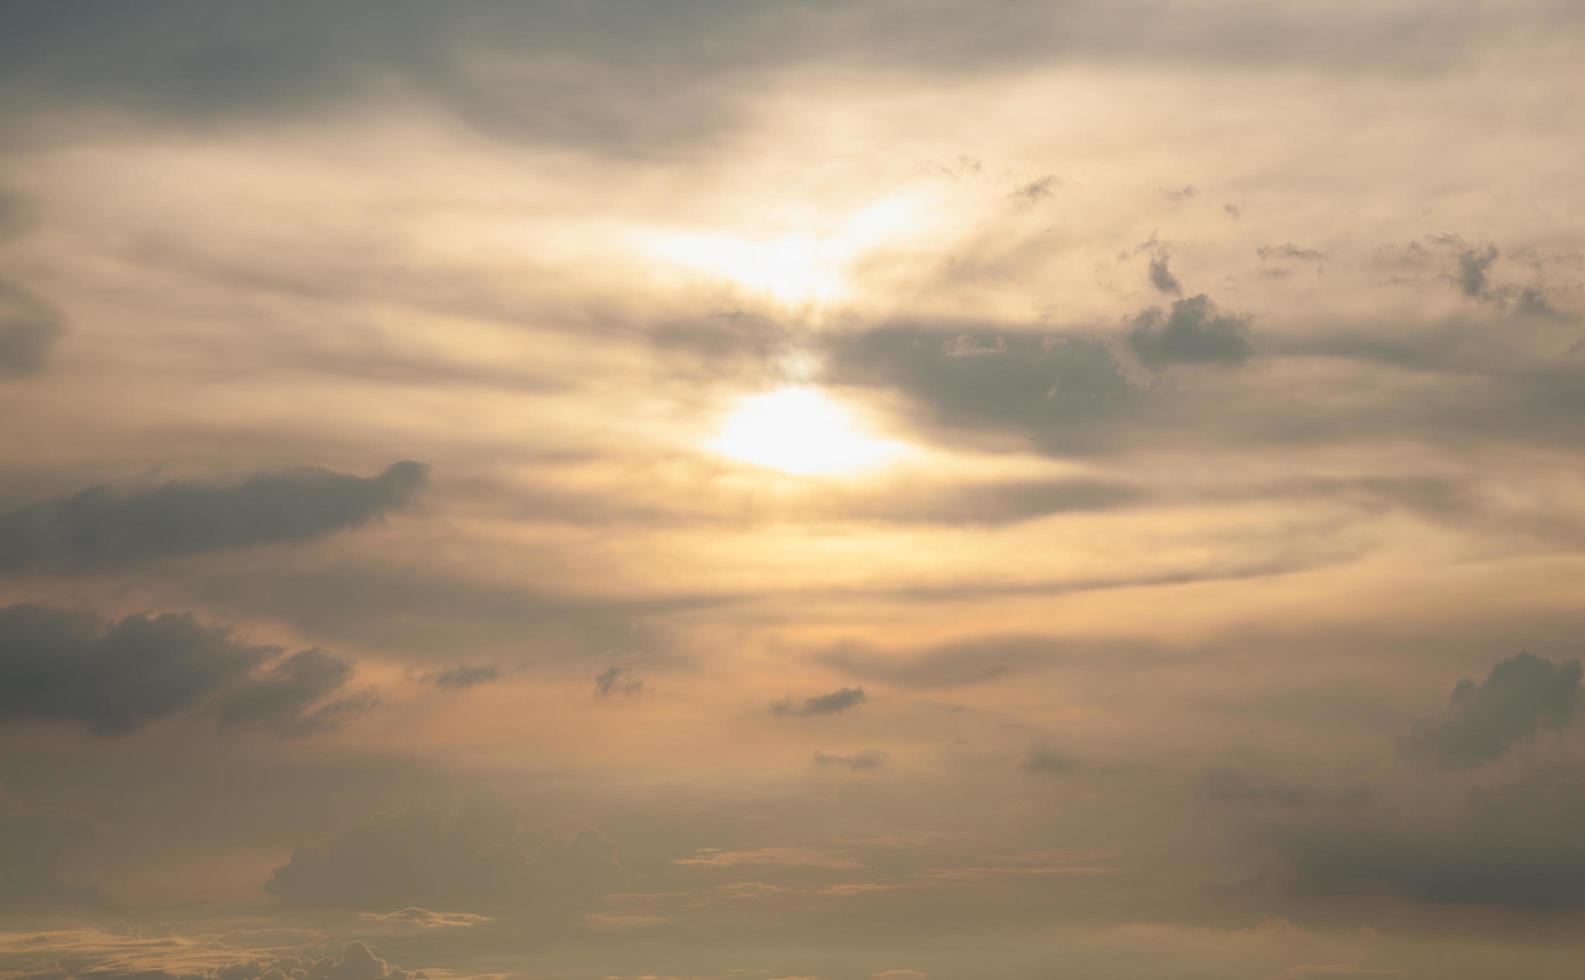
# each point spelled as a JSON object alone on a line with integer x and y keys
{"x": 1193, "y": 333}
{"x": 62, "y": 665}
{"x": 1519, "y": 697}
{"x": 99, "y": 528}
{"x": 836, "y": 702}
{"x": 472, "y": 858}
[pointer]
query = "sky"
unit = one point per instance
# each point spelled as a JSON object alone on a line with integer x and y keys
{"x": 785, "y": 489}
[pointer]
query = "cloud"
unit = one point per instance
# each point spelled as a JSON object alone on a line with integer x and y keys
{"x": 1052, "y": 387}
{"x": 866, "y": 761}
{"x": 98, "y": 528}
{"x": 28, "y": 329}
{"x": 466, "y": 675}
{"x": 1193, "y": 333}
{"x": 1290, "y": 252}
{"x": 125, "y": 951}
{"x": 472, "y": 858}
{"x": 1473, "y": 265}
{"x": 781, "y": 857}
{"x": 957, "y": 664}
{"x": 824, "y": 704}
{"x": 420, "y": 918}
{"x": 1514, "y": 844}
{"x": 282, "y": 698}
{"x": 60, "y": 665}
{"x": 1161, "y": 276}
{"x": 1519, "y": 697}
{"x": 617, "y": 681}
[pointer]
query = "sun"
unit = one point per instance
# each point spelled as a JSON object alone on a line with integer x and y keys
{"x": 799, "y": 430}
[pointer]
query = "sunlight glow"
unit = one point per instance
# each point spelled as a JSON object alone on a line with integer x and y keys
{"x": 798, "y": 266}
{"x": 799, "y": 431}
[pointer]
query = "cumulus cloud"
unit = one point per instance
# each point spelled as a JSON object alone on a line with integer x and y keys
{"x": 823, "y": 704}
{"x": 28, "y": 329}
{"x": 60, "y": 665}
{"x": 474, "y": 858}
{"x": 99, "y": 528}
{"x": 1521, "y": 696}
{"x": 1195, "y": 332}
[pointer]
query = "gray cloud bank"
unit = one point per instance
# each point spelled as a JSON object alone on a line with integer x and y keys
{"x": 112, "y": 678}
{"x": 98, "y": 528}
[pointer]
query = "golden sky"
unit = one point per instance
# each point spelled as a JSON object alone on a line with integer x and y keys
{"x": 773, "y": 489}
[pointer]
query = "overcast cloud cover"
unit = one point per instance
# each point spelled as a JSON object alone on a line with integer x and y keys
{"x": 783, "y": 489}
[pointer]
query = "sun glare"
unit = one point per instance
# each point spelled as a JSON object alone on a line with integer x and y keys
{"x": 797, "y": 266}
{"x": 799, "y": 431}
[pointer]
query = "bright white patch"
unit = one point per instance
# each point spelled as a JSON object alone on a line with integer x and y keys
{"x": 799, "y": 431}
{"x": 799, "y": 266}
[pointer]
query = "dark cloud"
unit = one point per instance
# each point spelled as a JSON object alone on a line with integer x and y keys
{"x": 28, "y": 329}
{"x": 866, "y": 761}
{"x": 1161, "y": 276}
{"x": 1052, "y": 387}
{"x": 58, "y": 665}
{"x": 1194, "y": 333}
{"x": 1516, "y": 844}
{"x": 1521, "y": 696}
{"x": 283, "y": 698}
{"x": 61, "y": 665}
{"x": 466, "y": 675}
{"x": 1473, "y": 265}
{"x": 473, "y": 859}
{"x": 617, "y": 681}
{"x": 824, "y": 704}
{"x": 99, "y": 528}
{"x": 628, "y": 75}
